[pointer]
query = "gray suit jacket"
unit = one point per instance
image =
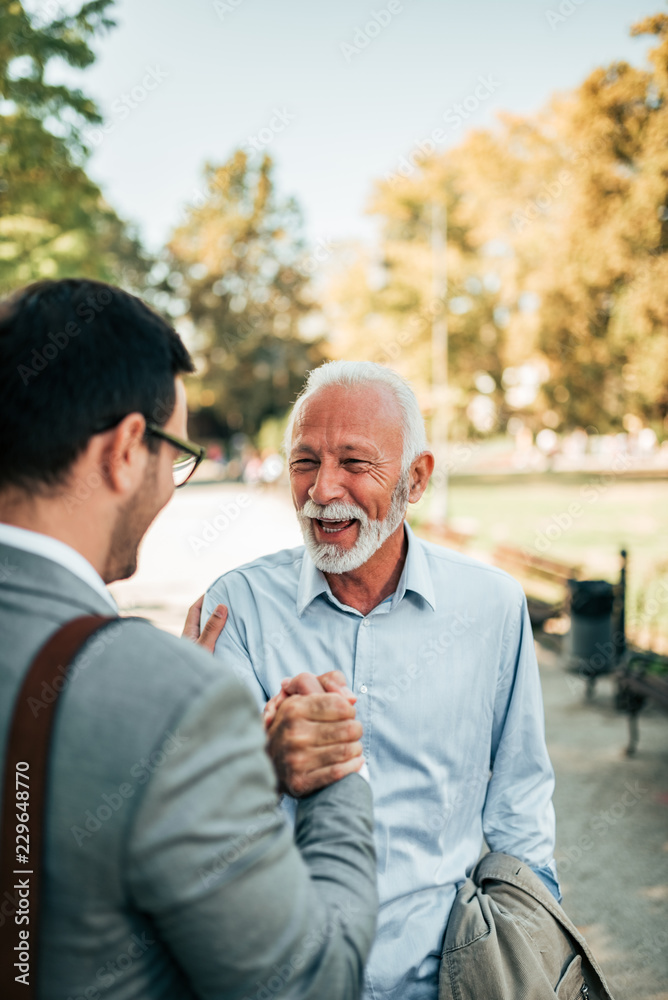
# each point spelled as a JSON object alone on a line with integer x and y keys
{"x": 169, "y": 872}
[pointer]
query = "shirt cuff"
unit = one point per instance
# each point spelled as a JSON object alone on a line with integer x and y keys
{"x": 548, "y": 876}
{"x": 364, "y": 773}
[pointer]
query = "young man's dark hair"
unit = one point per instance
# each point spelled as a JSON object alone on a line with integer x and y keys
{"x": 76, "y": 356}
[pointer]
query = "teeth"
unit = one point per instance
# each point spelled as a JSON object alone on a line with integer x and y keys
{"x": 332, "y": 530}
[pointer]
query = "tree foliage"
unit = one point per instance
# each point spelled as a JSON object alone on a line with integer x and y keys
{"x": 54, "y": 221}
{"x": 556, "y": 259}
{"x": 236, "y": 263}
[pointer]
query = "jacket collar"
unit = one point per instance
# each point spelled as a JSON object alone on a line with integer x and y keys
{"x": 37, "y": 576}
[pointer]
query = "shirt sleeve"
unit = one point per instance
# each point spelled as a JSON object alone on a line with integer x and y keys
{"x": 548, "y": 876}
{"x": 230, "y": 647}
{"x": 245, "y": 909}
{"x": 518, "y": 816}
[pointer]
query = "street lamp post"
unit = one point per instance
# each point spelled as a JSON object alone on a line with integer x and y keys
{"x": 438, "y": 512}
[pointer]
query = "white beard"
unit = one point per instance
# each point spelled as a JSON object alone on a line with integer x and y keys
{"x": 332, "y": 558}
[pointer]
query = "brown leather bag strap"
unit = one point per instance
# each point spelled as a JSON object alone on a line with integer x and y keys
{"x": 23, "y": 803}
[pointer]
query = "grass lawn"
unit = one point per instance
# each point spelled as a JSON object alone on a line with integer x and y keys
{"x": 582, "y": 520}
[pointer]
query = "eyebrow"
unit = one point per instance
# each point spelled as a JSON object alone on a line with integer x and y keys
{"x": 344, "y": 447}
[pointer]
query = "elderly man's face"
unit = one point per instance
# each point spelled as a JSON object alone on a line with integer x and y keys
{"x": 346, "y": 456}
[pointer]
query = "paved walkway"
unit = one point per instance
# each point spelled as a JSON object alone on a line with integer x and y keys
{"x": 612, "y": 830}
{"x": 203, "y": 532}
{"x": 612, "y": 813}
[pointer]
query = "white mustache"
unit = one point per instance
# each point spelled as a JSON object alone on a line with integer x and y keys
{"x": 334, "y": 511}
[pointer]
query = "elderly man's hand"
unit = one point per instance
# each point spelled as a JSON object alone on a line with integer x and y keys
{"x": 333, "y": 681}
{"x": 313, "y": 738}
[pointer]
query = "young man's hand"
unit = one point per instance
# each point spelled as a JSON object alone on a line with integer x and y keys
{"x": 208, "y": 636}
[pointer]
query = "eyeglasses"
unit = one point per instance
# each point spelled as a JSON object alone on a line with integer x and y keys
{"x": 188, "y": 456}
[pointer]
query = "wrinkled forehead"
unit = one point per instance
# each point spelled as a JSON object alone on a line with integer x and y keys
{"x": 341, "y": 417}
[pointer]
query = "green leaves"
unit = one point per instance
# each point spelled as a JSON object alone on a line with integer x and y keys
{"x": 237, "y": 263}
{"x": 54, "y": 221}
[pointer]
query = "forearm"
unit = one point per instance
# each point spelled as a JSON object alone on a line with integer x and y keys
{"x": 235, "y": 900}
{"x": 518, "y": 816}
{"x": 334, "y": 833}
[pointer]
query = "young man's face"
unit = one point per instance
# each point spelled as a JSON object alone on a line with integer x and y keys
{"x": 154, "y": 493}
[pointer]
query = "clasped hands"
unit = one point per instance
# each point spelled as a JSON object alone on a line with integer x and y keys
{"x": 313, "y": 737}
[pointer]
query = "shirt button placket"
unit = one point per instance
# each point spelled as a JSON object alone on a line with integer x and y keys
{"x": 364, "y": 670}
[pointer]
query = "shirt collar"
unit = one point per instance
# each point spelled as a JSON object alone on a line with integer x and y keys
{"x": 58, "y": 552}
{"x": 415, "y": 577}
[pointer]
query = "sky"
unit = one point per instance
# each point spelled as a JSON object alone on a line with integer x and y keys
{"x": 336, "y": 91}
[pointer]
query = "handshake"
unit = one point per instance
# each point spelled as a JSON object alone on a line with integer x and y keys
{"x": 313, "y": 737}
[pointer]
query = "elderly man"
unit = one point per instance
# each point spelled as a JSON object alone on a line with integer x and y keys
{"x": 435, "y": 647}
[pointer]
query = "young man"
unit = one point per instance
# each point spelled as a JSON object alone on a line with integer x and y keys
{"x": 168, "y": 871}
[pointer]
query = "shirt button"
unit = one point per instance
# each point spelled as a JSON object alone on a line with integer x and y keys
{"x": 364, "y": 689}
{"x": 366, "y": 622}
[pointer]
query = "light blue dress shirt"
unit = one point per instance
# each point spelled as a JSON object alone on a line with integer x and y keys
{"x": 449, "y": 696}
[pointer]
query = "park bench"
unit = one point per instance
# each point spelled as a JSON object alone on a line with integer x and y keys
{"x": 545, "y": 581}
{"x": 636, "y": 684}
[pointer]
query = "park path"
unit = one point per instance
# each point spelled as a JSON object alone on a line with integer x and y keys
{"x": 612, "y": 812}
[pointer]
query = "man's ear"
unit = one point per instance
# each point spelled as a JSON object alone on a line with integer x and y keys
{"x": 125, "y": 455}
{"x": 421, "y": 469}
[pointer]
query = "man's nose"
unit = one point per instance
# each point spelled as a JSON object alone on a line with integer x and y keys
{"x": 327, "y": 486}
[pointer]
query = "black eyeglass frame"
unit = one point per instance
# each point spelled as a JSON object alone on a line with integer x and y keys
{"x": 197, "y": 451}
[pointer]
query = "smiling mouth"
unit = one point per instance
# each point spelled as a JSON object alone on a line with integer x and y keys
{"x": 334, "y": 527}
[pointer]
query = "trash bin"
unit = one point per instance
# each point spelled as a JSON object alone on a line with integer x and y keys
{"x": 591, "y": 650}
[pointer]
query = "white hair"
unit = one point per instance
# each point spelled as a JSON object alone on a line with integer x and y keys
{"x": 354, "y": 374}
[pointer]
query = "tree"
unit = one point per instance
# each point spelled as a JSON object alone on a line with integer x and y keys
{"x": 604, "y": 321}
{"x": 237, "y": 262}
{"x": 54, "y": 221}
{"x": 557, "y": 239}
{"x": 390, "y": 317}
